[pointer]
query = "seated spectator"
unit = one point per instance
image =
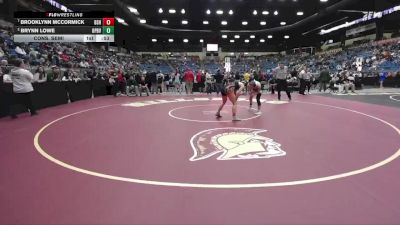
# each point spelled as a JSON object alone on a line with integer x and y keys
{"x": 20, "y": 51}
{"x": 349, "y": 83}
{"x": 54, "y": 74}
{"x": 143, "y": 86}
{"x": 5, "y": 69}
{"x": 75, "y": 77}
{"x": 67, "y": 75}
{"x": 84, "y": 64}
{"x": 5, "y": 72}
{"x": 40, "y": 75}
{"x": 333, "y": 84}
{"x": 132, "y": 86}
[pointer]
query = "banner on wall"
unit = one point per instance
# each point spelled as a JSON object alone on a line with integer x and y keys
{"x": 361, "y": 29}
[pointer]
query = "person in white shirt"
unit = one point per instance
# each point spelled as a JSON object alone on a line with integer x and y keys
{"x": 20, "y": 51}
{"x": 177, "y": 82}
{"x": 254, "y": 88}
{"x": 281, "y": 74}
{"x": 349, "y": 84}
{"x": 209, "y": 80}
{"x": 40, "y": 75}
{"x": 7, "y": 78}
{"x": 22, "y": 86}
{"x": 305, "y": 81}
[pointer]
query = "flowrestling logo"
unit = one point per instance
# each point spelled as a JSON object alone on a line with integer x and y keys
{"x": 234, "y": 144}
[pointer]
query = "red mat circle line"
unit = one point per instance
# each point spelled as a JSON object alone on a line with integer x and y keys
{"x": 170, "y": 113}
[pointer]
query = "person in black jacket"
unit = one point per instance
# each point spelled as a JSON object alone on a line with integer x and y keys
{"x": 167, "y": 79}
{"x": 153, "y": 82}
{"x": 132, "y": 86}
{"x": 143, "y": 85}
{"x": 324, "y": 79}
{"x": 218, "y": 81}
{"x": 147, "y": 78}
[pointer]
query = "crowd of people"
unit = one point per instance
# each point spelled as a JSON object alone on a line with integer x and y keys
{"x": 132, "y": 74}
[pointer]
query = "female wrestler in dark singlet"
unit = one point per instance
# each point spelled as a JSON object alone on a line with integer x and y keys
{"x": 232, "y": 90}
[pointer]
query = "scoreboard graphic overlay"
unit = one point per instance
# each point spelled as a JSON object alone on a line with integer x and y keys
{"x": 64, "y": 27}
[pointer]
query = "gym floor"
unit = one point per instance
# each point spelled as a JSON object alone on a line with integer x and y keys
{"x": 320, "y": 159}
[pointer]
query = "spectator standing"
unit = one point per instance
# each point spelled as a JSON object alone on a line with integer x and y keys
{"x": 177, "y": 82}
{"x": 121, "y": 82}
{"x": 246, "y": 77}
{"x": 189, "y": 80}
{"x": 219, "y": 82}
{"x": 153, "y": 82}
{"x": 324, "y": 79}
{"x": 167, "y": 81}
{"x": 22, "y": 87}
{"x": 208, "y": 83}
{"x": 281, "y": 74}
{"x": 382, "y": 78}
{"x": 160, "y": 82}
{"x": 305, "y": 80}
{"x": 200, "y": 81}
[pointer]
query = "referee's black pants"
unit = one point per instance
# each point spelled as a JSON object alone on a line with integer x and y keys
{"x": 283, "y": 86}
{"x": 302, "y": 86}
{"x": 22, "y": 99}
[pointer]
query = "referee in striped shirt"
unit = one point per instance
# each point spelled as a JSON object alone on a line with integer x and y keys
{"x": 280, "y": 74}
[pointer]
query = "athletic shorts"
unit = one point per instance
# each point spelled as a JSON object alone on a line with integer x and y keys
{"x": 224, "y": 92}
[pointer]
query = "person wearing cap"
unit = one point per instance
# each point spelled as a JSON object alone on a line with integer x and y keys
{"x": 22, "y": 87}
{"x": 280, "y": 74}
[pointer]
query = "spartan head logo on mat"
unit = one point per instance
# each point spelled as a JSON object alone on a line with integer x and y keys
{"x": 234, "y": 143}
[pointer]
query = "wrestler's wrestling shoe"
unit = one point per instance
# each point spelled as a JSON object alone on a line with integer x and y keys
{"x": 235, "y": 119}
